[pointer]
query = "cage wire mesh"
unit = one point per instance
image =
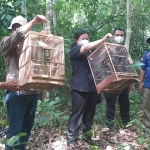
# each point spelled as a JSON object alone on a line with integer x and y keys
{"x": 41, "y": 62}
{"x": 110, "y": 58}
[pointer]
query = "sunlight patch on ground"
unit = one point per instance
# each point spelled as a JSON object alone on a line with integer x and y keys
{"x": 59, "y": 144}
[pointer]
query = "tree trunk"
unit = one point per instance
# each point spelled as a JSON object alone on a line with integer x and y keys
{"x": 47, "y": 25}
{"x": 55, "y": 16}
{"x": 128, "y": 34}
{"x": 127, "y": 42}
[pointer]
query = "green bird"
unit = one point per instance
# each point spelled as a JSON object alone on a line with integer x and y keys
{"x": 137, "y": 64}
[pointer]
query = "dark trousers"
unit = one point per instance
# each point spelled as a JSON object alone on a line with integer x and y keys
{"x": 21, "y": 111}
{"x": 83, "y": 110}
{"x": 124, "y": 105}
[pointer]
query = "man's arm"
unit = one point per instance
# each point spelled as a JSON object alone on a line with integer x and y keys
{"x": 142, "y": 71}
{"x": 10, "y": 85}
{"x": 37, "y": 20}
{"x": 142, "y": 74}
{"x": 8, "y": 44}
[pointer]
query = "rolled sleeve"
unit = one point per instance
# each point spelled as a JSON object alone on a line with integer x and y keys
{"x": 8, "y": 44}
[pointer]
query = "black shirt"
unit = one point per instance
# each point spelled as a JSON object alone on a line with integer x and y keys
{"x": 82, "y": 79}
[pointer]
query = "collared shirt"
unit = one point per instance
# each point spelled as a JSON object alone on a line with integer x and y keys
{"x": 10, "y": 52}
{"x": 9, "y": 46}
{"x": 145, "y": 60}
{"x": 82, "y": 79}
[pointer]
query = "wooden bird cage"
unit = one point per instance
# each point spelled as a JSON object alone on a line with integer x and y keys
{"x": 41, "y": 63}
{"x": 111, "y": 68}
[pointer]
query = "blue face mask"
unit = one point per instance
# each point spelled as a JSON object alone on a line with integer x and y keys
{"x": 82, "y": 42}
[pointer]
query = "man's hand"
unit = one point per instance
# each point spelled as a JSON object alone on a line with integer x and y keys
{"x": 39, "y": 19}
{"x": 10, "y": 85}
{"x": 140, "y": 88}
{"x": 107, "y": 37}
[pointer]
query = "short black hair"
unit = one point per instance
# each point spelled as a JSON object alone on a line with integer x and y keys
{"x": 79, "y": 33}
{"x": 117, "y": 29}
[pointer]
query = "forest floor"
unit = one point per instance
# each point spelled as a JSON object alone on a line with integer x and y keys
{"x": 122, "y": 139}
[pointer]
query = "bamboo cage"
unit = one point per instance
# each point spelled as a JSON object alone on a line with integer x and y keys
{"x": 111, "y": 68}
{"x": 41, "y": 62}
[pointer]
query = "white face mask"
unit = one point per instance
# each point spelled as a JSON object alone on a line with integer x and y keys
{"x": 118, "y": 39}
{"x": 82, "y": 42}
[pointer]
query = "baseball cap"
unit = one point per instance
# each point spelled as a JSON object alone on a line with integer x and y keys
{"x": 19, "y": 19}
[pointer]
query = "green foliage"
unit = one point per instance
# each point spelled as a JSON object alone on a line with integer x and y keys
{"x": 143, "y": 132}
{"x": 136, "y": 101}
{"x": 122, "y": 146}
{"x": 92, "y": 147}
{"x": 3, "y": 114}
{"x": 6, "y": 14}
{"x": 48, "y": 114}
{"x": 136, "y": 112}
{"x": 99, "y": 117}
{"x": 2, "y": 72}
{"x": 13, "y": 141}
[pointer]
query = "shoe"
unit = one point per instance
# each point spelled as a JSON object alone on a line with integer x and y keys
{"x": 88, "y": 140}
{"x": 125, "y": 124}
{"x": 72, "y": 144}
{"x": 2, "y": 132}
{"x": 146, "y": 132}
{"x": 111, "y": 128}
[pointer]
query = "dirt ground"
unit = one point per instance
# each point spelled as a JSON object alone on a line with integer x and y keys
{"x": 122, "y": 139}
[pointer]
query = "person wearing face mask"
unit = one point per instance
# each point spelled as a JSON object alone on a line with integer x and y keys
{"x": 118, "y": 39}
{"x": 83, "y": 90}
{"x": 21, "y": 104}
{"x": 123, "y": 98}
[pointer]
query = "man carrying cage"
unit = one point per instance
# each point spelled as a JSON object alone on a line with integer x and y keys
{"x": 123, "y": 98}
{"x": 21, "y": 104}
